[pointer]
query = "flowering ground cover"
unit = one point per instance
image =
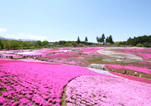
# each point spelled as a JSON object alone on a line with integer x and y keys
{"x": 109, "y": 51}
{"x": 14, "y": 55}
{"x": 62, "y": 55}
{"x": 37, "y": 54}
{"x": 132, "y": 77}
{"x": 80, "y": 61}
{"x": 91, "y": 90}
{"x": 26, "y": 83}
{"x": 145, "y": 53}
{"x": 34, "y": 82}
{"x": 145, "y": 63}
{"x": 92, "y": 51}
{"x": 139, "y": 69}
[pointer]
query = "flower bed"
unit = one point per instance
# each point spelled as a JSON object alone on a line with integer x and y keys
{"x": 14, "y": 56}
{"x": 132, "y": 77}
{"x": 107, "y": 91}
{"x": 118, "y": 54}
{"x": 145, "y": 63}
{"x": 42, "y": 84}
{"x": 62, "y": 55}
{"x": 146, "y": 54}
{"x": 71, "y": 60}
{"x": 140, "y": 69}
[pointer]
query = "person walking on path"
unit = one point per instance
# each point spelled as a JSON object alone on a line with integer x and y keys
{"x": 125, "y": 71}
{"x": 112, "y": 70}
{"x": 140, "y": 75}
{"x": 135, "y": 73}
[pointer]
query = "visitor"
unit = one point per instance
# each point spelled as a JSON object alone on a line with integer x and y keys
{"x": 104, "y": 68}
{"x": 135, "y": 73}
{"x": 140, "y": 75}
{"x": 125, "y": 71}
{"x": 113, "y": 70}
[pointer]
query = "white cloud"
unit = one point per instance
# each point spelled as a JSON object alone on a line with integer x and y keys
{"x": 119, "y": 40}
{"x": 25, "y": 36}
{"x": 9, "y": 36}
{"x": 2, "y": 30}
{"x": 33, "y": 37}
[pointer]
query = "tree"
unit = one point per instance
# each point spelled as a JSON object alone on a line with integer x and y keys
{"x": 86, "y": 39}
{"x": 78, "y": 40}
{"x": 97, "y": 39}
{"x": 45, "y": 42}
{"x": 128, "y": 41}
{"x": 1, "y": 44}
{"x": 6, "y": 44}
{"x": 66, "y": 44}
{"x": 62, "y": 42}
{"x": 39, "y": 43}
{"x": 24, "y": 44}
{"x": 110, "y": 39}
{"x": 102, "y": 38}
{"x": 107, "y": 40}
{"x": 14, "y": 44}
{"x": 74, "y": 44}
{"x": 34, "y": 43}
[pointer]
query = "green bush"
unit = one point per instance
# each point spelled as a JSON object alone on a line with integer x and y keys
{"x": 139, "y": 45}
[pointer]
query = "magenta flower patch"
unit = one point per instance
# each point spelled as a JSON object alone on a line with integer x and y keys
{"x": 42, "y": 84}
{"x": 140, "y": 69}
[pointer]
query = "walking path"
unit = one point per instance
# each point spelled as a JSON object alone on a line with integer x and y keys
{"x": 103, "y": 72}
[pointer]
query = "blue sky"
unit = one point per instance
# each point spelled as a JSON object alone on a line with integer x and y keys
{"x": 55, "y": 20}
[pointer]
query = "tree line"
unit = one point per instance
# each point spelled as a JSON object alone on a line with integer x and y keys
{"x": 18, "y": 44}
{"x": 103, "y": 40}
{"x": 138, "y": 41}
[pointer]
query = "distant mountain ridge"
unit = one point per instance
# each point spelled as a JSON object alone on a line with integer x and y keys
{"x": 15, "y": 39}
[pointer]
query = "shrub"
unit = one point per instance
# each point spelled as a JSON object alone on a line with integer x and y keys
{"x": 139, "y": 45}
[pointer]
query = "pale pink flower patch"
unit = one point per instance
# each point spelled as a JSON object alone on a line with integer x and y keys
{"x": 107, "y": 91}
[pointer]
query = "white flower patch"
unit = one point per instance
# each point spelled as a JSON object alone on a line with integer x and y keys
{"x": 26, "y": 52}
{"x": 109, "y": 52}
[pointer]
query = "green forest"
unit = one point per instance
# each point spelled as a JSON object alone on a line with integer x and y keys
{"x": 141, "y": 41}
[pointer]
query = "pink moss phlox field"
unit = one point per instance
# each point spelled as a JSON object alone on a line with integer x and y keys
{"x": 73, "y": 53}
{"x": 92, "y": 51}
{"x": 107, "y": 91}
{"x": 41, "y": 83}
{"x": 72, "y": 60}
{"x": 14, "y": 55}
{"x": 60, "y": 55}
{"x": 132, "y": 77}
{"x": 36, "y": 54}
{"x": 18, "y": 50}
{"x": 139, "y": 69}
{"x": 146, "y": 54}
{"x": 36, "y": 61}
{"x": 145, "y": 63}
{"x": 44, "y": 49}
